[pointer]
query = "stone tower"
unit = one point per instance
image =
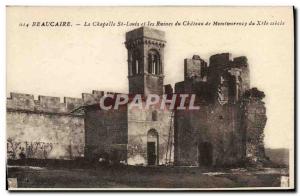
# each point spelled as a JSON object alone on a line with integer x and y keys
{"x": 145, "y": 48}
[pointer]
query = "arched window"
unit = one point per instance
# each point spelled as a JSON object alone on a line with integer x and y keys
{"x": 135, "y": 63}
{"x": 154, "y": 65}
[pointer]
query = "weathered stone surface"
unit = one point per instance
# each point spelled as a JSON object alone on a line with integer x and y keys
{"x": 44, "y": 104}
{"x": 72, "y": 103}
{"x": 20, "y": 101}
{"x": 44, "y": 128}
{"x": 231, "y": 118}
{"x": 106, "y": 133}
{"x": 140, "y": 122}
{"x": 94, "y": 98}
{"x": 253, "y": 122}
{"x": 125, "y": 132}
{"x": 44, "y": 136}
{"x": 195, "y": 68}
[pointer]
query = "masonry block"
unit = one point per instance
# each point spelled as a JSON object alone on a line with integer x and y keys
{"x": 72, "y": 103}
{"x": 21, "y": 101}
{"x": 49, "y": 104}
{"x": 94, "y": 98}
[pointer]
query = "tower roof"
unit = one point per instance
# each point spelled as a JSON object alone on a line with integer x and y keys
{"x": 145, "y": 32}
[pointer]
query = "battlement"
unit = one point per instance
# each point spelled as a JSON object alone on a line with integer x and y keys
{"x": 21, "y": 101}
{"x": 90, "y": 99}
{"x": 49, "y": 104}
{"x": 225, "y": 60}
{"x": 196, "y": 68}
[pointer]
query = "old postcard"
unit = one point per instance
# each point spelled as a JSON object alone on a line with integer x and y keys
{"x": 150, "y": 98}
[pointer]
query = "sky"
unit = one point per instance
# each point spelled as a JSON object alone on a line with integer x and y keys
{"x": 68, "y": 61}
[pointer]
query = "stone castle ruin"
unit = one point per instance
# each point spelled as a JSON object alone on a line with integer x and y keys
{"x": 226, "y": 130}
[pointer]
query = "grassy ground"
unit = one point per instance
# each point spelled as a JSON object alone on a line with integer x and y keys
{"x": 142, "y": 177}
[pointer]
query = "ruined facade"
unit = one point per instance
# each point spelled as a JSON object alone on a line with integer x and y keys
{"x": 220, "y": 132}
{"x": 226, "y": 130}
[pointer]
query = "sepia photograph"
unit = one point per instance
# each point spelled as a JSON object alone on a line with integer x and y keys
{"x": 157, "y": 98}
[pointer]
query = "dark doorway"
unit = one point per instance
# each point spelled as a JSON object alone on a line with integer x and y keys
{"x": 205, "y": 151}
{"x": 151, "y": 153}
{"x": 152, "y": 147}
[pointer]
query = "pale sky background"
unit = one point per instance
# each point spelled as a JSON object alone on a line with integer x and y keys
{"x": 58, "y": 61}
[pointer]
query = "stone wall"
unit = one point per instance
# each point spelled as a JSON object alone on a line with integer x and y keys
{"x": 140, "y": 123}
{"x": 44, "y": 135}
{"x": 106, "y": 133}
{"x": 46, "y": 128}
{"x": 213, "y": 124}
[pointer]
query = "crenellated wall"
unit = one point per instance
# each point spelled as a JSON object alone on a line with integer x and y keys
{"x": 46, "y": 127}
{"x": 44, "y": 104}
{"x": 90, "y": 99}
{"x": 226, "y": 59}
